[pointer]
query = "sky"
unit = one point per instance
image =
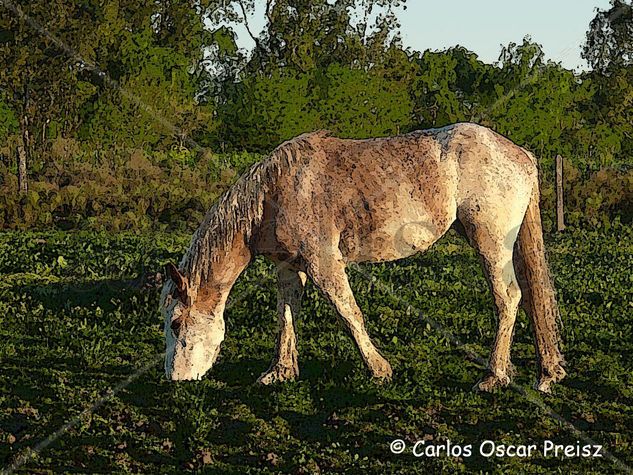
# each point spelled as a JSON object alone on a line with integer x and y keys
{"x": 484, "y": 26}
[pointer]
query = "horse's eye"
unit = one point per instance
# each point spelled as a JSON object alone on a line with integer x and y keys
{"x": 175, "y": 325}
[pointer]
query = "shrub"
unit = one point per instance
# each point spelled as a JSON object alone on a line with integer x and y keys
{"x": 77, "y": 188}
{"x": 592, "y": 198}
{"x": 132, "y": 190}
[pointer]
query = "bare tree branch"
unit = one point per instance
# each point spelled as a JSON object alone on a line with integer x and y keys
{"x": 269, "y": 7}
{"x": 247, "y": 26}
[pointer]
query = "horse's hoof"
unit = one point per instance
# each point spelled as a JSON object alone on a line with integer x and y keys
{"x": 277, "y": 374}
{"x": 549, "y": 377}
{"x": 491, "y": 382}
{"x": 381, "y": 370}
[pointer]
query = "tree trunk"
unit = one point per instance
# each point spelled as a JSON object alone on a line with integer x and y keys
{"x": 23, "y": 151}
{"x": 560, "y": 210}
{"x": 23, "y": 185}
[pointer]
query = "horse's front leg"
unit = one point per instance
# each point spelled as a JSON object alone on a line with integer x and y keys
{"x": 285, "y": 364}
{"x": 331, "y": 278}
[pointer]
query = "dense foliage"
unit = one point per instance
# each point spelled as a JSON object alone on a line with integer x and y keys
{"x": 78, "y": 317}
{"x": 88, "y": 87}
{"x": 173, "y": 190}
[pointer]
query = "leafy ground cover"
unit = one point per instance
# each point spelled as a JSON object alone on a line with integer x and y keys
{"x": 79, "y": 318}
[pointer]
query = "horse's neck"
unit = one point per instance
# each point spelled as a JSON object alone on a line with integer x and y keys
{"x": 225, "y": 267}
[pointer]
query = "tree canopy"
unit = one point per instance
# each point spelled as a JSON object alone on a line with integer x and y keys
{"x": 609, "y": 43}
{"x": 170, "y": 74}
{"x": 125, "y": 115}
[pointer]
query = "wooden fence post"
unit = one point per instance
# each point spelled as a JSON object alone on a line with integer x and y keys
{"x": 560, "y": 210}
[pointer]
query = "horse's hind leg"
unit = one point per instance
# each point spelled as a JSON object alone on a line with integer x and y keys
{"x": 285, "y": 364}
{"x": 332, "y": 280}
{"x": 507, "y": 295}
{"x": 496, "y": 249}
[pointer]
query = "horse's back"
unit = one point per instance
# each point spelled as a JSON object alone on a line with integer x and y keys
{"x": 388, "y": 198}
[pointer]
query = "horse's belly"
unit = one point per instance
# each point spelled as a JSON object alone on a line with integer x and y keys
{"x": 405, "y": 233}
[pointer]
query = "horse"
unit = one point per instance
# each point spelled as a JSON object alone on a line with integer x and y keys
{"x": 319, "y": 203}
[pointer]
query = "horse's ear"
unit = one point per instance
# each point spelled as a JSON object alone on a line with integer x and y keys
{"x": 180, "y": 280}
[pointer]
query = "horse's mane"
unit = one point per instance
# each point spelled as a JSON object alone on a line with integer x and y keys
{"x": 241, "y": 207}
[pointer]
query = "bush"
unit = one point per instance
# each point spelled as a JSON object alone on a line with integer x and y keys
{"x": 121, "y": 190}
{"x": 77, "y": 188}
{"x": 592, "y": 198}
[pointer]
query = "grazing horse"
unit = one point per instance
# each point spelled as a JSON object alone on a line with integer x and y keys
{"x": 318, "y": 203}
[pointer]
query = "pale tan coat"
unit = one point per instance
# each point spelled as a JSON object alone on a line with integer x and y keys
{"x": 319, "y": 203}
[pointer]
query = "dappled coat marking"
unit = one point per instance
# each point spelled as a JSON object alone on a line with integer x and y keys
{"x": 319, "y": 203}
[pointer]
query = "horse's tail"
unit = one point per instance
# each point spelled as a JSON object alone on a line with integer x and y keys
{"x": 539, "y": 298}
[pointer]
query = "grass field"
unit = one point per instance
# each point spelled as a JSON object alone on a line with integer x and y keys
{"x": 77, "y": 319}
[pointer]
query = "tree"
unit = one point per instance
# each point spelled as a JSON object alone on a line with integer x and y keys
{"x": 110, "y": 71}
{"x": 319, "y": 64}
{"x": 609, "y": 116}
{"x": 38, "y": 77}
{"x": 609, "y": 44}
{"x": 535, "y": 102}
{"x": 262, "y": 111}
{"x": 308, "y": 34}
{"x": 435, "y": 90}
{"x": 606, "y": 138}
{"x": 8, "y": 121}
{"x": 359, "y": 104}
{"x": 153, "y": 64}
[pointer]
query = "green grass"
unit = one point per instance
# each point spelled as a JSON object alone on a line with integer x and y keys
{"x": 76, "y": 320}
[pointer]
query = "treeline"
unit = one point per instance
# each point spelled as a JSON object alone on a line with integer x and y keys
{"x": 135, "y": 116}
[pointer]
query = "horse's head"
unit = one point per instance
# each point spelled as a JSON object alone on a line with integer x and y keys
{"x": 193, "y": 337}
